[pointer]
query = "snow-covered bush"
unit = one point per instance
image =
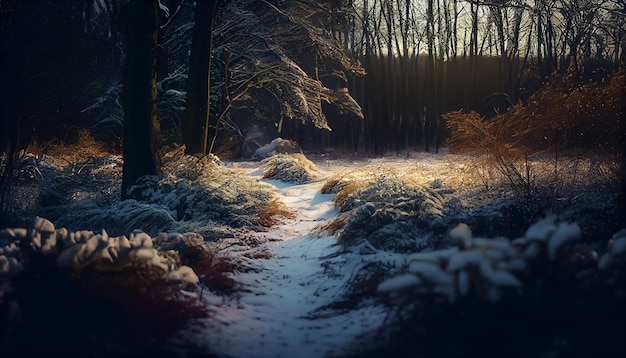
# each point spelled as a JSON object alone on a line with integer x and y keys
{"x": 509, "y": 289}
{"x": 290, "y": 168}
{"x": 116, "y": 285}
{"x": 192, "y": 195}
{"x": 200, "y": 194}
{"x": 392, "y": 212}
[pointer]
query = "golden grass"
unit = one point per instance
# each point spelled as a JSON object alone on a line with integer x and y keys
{"x": 291, "y": 168}
{"x": 559, "y": 120}
{"x": 272, "y": 211}
{"x": 331, "y": 227}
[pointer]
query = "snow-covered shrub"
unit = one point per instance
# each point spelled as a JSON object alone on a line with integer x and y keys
{"x": 128, "y": 274}
{"x": 391, "y": 212}
{"x": 488, "y": 268}
{"x": 537, "y": 288}
{"x": 290, "y": 168}
{"x": 192, "y": 195}
{"x": 200, "y": 193}
{"x": 84, "y": 250}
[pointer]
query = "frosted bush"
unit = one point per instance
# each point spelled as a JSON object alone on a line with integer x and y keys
{"x": 392, "y": 213}
{"x": 290, "y": 168}
{"x": 194, "y": 194}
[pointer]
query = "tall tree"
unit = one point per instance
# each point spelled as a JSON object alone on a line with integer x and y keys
{"x": 142, "y": 138}
{"x": 196, "y": 128}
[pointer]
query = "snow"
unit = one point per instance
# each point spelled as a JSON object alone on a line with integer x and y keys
{"x": 433, "y": 256}
{"x": 431, "y": 273}
{"x": 542, "y": 229}
{"x": 287, "y": 305}
{"x": 618, "y": 247}
{"x": 463, "y": 283}
{"x": 282, "y": 309}
{"x": 463, "y": 259}
{"x": 462, "y": 234}
{"x": 565, "y": 232}
{"x": 400, "y": 282}
{"x": 499, "y": 277}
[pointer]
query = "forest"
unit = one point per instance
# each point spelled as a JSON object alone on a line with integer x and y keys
{"x": 343, "y": 178}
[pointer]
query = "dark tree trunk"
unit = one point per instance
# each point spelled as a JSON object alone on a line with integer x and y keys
{"x": 142, "y": 139}
{"x": 196, "y": 129}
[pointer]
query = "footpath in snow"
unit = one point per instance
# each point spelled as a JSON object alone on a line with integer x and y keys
{"x": 280, "y": 310}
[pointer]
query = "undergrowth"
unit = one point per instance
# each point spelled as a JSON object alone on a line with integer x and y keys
{"x": 562, "y": 123}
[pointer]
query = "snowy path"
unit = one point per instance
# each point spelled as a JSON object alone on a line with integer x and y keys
{"x": 273, "y": 317}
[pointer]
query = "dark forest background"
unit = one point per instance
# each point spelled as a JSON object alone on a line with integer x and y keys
{"x": 62, "y": 66}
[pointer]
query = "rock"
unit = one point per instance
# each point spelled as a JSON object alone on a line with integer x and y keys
{"x": 122, "y": 243}
{"x": 277, "y": 146}
{"x": 82, "y": 236}
{"x": 67, "y": 258}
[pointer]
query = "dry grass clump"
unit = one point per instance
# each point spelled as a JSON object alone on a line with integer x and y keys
{"x": 270, "y": 213}
{"x": 83, "y": 145}
{"x": 74, "y": 155}
{"x": 201, "y": 194}
{"x": 387, "y": 207}
{"x": 291, "y": 168}
{"x": 331, "y": 227}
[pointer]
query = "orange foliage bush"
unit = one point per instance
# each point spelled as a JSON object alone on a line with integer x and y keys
{"x": 563, "y": 116}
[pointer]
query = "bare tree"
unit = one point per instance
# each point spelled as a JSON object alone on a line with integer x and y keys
{"x": 280, "y": 53}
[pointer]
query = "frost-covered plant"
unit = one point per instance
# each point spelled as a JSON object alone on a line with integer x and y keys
{"x": 200, "y": 190}
{"x": 290, "y": 168}
{"x": 388, "y": 210}
{"x": 525, "y": 289}
{"x": 131, "y": 285}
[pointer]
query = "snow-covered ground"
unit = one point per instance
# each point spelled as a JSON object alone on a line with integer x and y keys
{"x": 307, "y": 290}
{"x": 290, "y": 304}
{"x": 279, "y": 312}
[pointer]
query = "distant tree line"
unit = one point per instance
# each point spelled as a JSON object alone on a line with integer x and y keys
{"x": 427, "y": 57}
{"x": 379, "y": 73}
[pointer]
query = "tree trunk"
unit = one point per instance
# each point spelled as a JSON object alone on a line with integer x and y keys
{"x": 142, "y": 139}
{"x": 196, "y": 128}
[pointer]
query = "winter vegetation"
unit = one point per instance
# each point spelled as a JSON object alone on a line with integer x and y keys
{"x": 263, "y": 178}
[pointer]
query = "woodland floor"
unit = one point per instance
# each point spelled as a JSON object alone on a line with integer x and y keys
{"x": 296, "y": 295}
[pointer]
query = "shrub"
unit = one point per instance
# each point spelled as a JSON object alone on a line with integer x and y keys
{"x": 270, "y": 212}
{"x": 290, "y": 168}
{"x": 558, "y": 121}
{"x": 215, "y": 270}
